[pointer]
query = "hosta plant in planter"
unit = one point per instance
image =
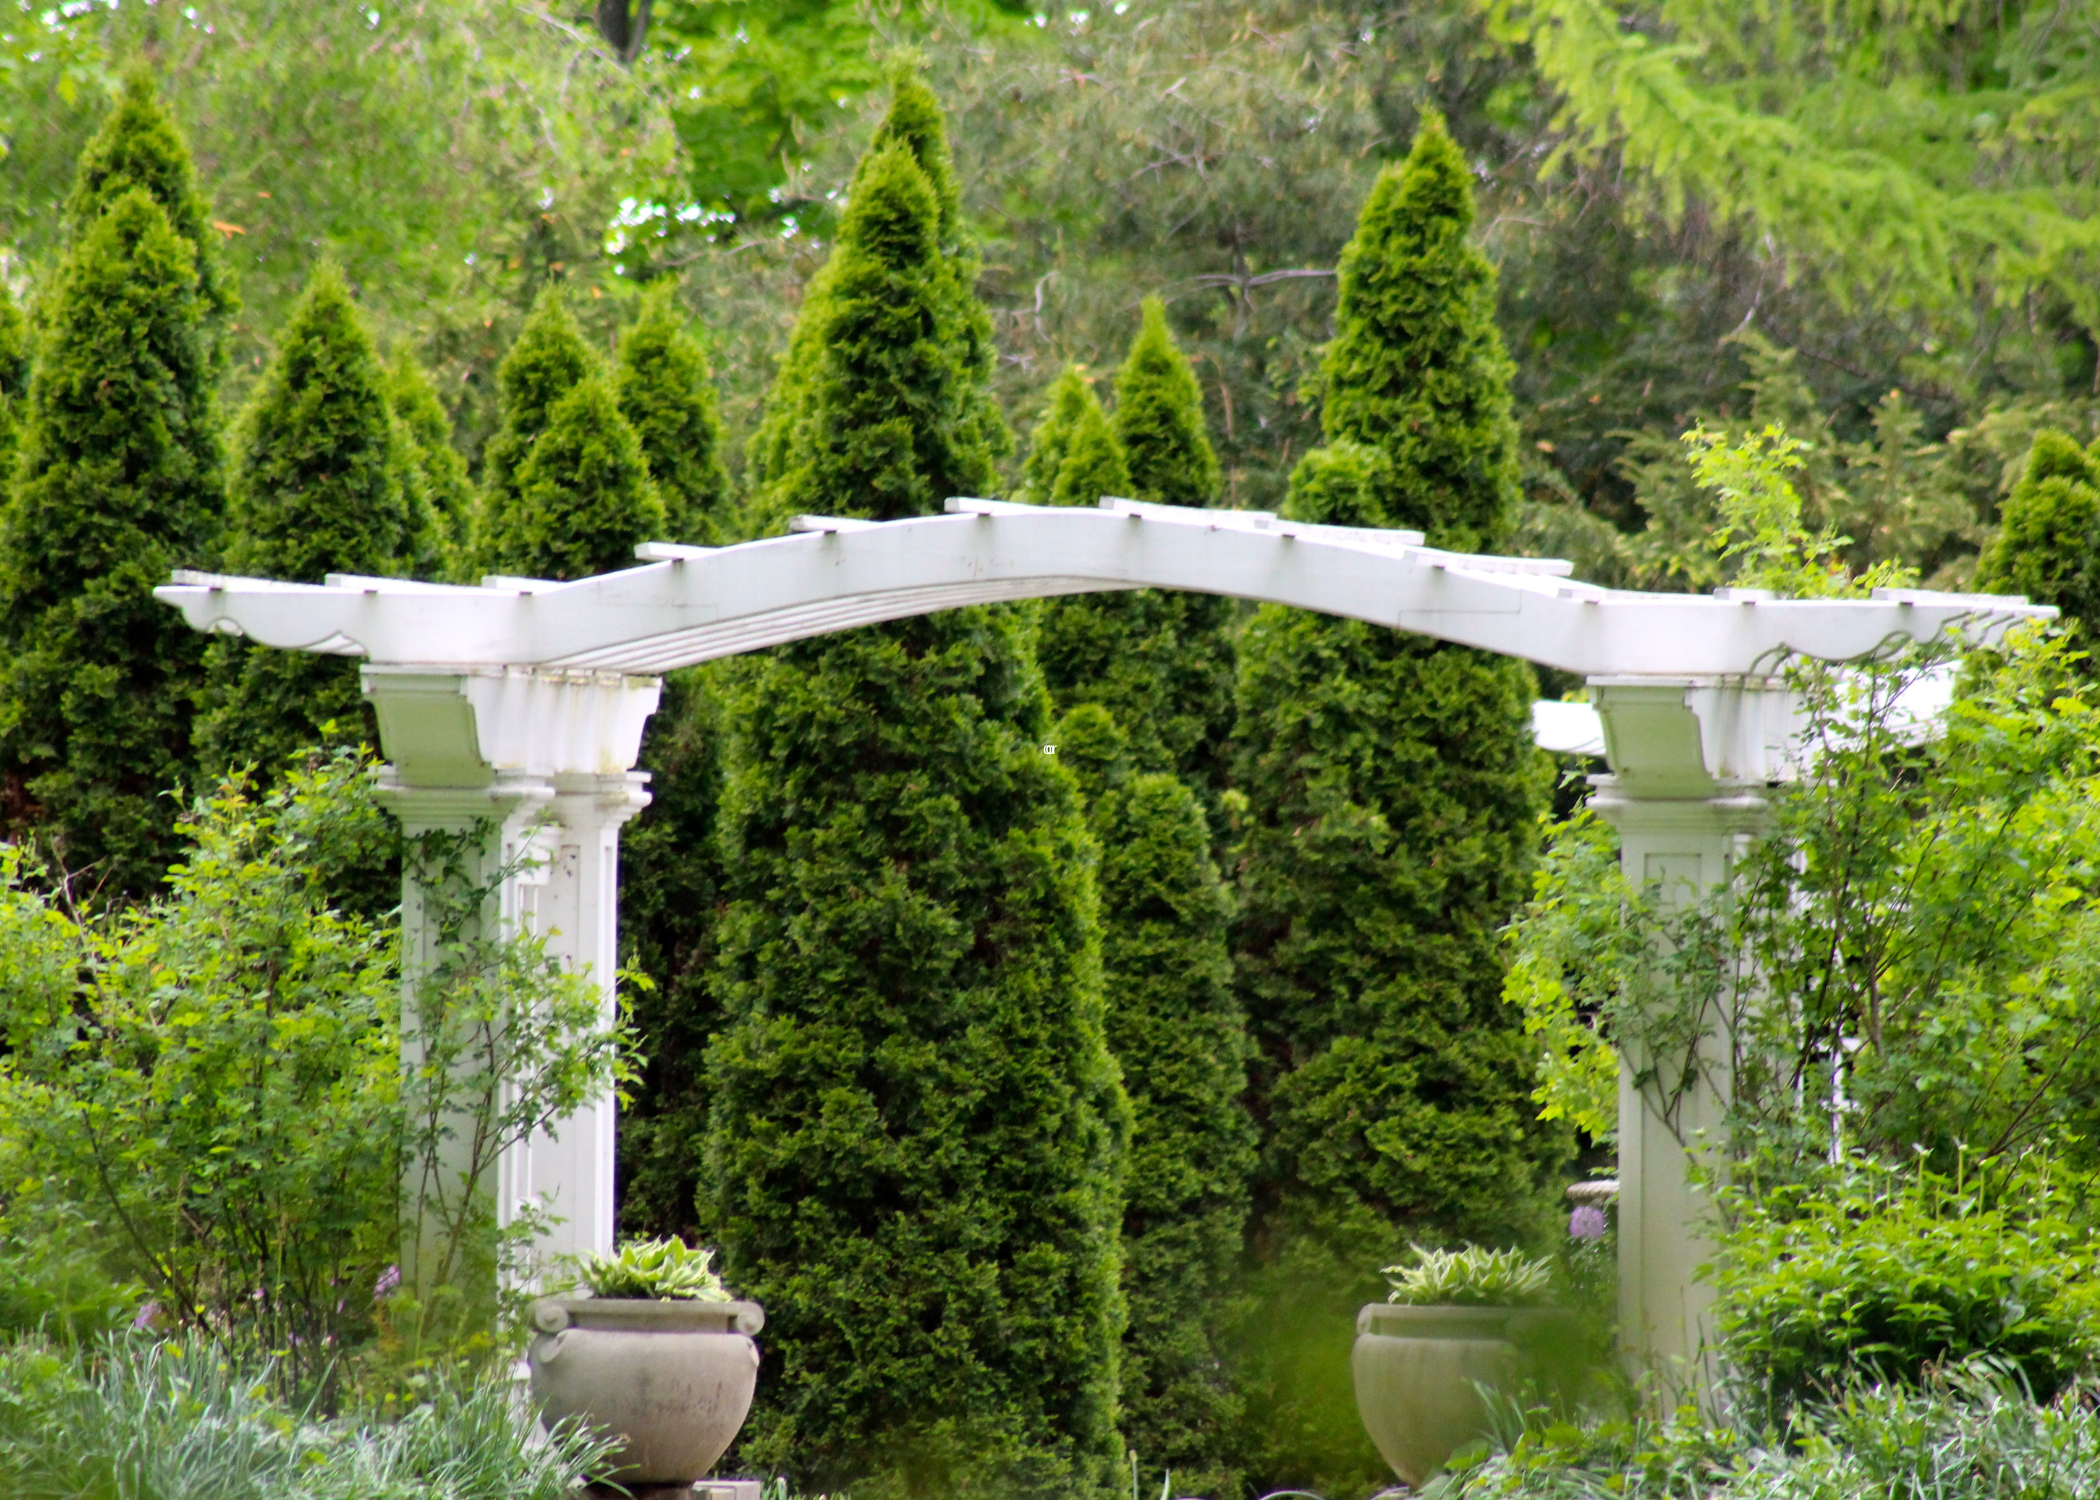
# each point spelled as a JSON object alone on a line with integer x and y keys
{"x": 651, "y": 1348}
{"x": 1455, "y": 1318}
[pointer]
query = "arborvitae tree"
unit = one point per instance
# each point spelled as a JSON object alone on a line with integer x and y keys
{"x": 671, "y": 890}
{"x": 1392, "y": 794}
{"x": 582, "y": 500}
{"x": 1417, "y": 368}
{"x": 138, "y": 147}
{"x": 435, "y": 467}
{"x": 1159, "y": 417}
{"x": 1068, "y": 398}
{"x": 119, "y": 482}
{"x": 668, "y": 393}
{"x": 2048, "y": 541}
{"x": 915, "y": 1131}
{"x": 1093, "y": 464}
{"x": 549, "y": 360}
{"x": 914, "y": 123}
{"x": 1161, "y": 662}
{"x": 320, "y": 484}
{"x": 1175, "y": 1028}
{"x": 14, "y": 379}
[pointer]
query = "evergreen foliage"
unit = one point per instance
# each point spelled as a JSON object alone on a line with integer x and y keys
{"x": 897, "y": 407}
{"x": 582, "y": 500}
{"x": 1160, "y": 662}
{"x": 958, "y": 326}
{"x": 1417, "y": 368}
{"x": 435, "y": 467}
{"x": 1392, "y": 795}
{"x": 667, "y": 394}
{"x": 1175, "y": 1028}
{"x": 915, "y": 1131}
{"x": 1093, "y": 464}
{"x": 1067, "y": 400}
{"x": 14, "y": 378}
{"x": 2048, "y": 541}
{"x": 548, "y": 360}
{"x": 320, "y": 483}
{"x": 671, "y": 888}
{"x": 119, "y": 481}
{"x": 1159, "y": 419}
{"x": 138, "y": 147}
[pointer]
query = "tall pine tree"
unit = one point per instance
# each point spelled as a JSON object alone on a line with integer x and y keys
{"x": 119, "y": 482}
{"x": 548, "y": 360}
{"x": 1392, "y": 791}
{"x": 321, "y": 483}
{"x": 915, "y": 1130}
{"x": 1175, "y": 1028}
{"x": 667, "y": 393}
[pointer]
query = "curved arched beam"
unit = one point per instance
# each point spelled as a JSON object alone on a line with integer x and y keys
{"x": 696, "y": 604}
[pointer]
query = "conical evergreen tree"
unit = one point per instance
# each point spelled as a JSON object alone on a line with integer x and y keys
{"x": 1159, "y": 418}
{"x": 1417, "y": 368}
{"x": 119, "y": 482}
{"x": 138, "y": 147}
{"x": 1175, "y": 1028}
{"x": 1067, "y": 400}
{"x": 913, "y": 124}
{"x": 668, "y": 394}
{"x": 583, "y": 497}
{"x": 1392, "y": 794}
{"x": 2048, "y": 541}
{"x": 549, "y": 360}
{"x": 914, "y": 1136}
{"x": 320, "y": 484}
{"x": 434, "y": 466}
{"x": 1093, "y": 464}
{"x": 1161, "y": 662}
{"x": 14, "y": 380}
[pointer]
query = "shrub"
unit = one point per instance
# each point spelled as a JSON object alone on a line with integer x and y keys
{"x": 1864, "y": 1274}
{"x": 667, "y": 394}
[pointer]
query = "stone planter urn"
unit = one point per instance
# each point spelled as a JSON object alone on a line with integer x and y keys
{"x": 1415, "y": 1368}
{"x": 672, "y": 1379}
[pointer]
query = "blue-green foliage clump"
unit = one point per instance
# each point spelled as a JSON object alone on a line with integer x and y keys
{"x": 1175, "y": 1028}
{"x": 915, "y": 1134}
{"x": 1392, "y": 791}
{"x": 118, "y": 483}
{"x": 322, "y": 482}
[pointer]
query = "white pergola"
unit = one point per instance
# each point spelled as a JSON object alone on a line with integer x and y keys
{"x": 521, "y": 702}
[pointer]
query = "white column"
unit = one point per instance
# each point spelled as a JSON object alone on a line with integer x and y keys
{"x": 568, "y": 1169}
{"x": 542, "y": 761}
{"x": 1693, "y": 760}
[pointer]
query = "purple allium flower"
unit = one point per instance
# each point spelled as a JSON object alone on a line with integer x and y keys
{"x": 388, "y": 1280}
{"x": 146, "y": 1315}
{"x": 1587, "y": 1223}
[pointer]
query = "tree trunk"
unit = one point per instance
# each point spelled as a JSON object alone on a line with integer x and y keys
{"x": 625, "y": 31}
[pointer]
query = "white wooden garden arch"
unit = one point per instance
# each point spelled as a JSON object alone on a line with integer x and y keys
{"x": 522, "y": 702}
